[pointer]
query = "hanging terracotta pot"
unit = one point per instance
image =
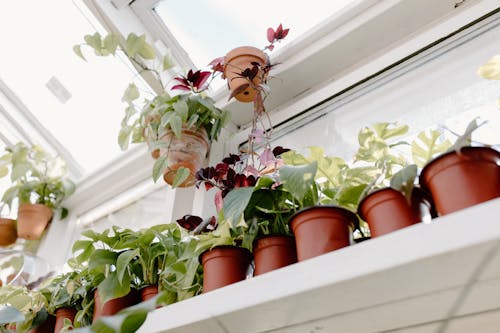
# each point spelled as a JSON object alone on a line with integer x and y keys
{"x": 273, "y": 252}
{"x": 48, "y": 326}
{"x": 224, "y": 265}
{"x": 113, "y": 306}
{"x": 32, "y": 219}
{"x": 460, "y": 180}
{"x": 321, "y": 229}
{"x": 61, "y": 314}
{"x": 148, "y": 292}
{"x": 387, "y": 210}
{"x": 8, "y": 233}
{"x": 235, "y": 62}
{"x": 189, "y": 151}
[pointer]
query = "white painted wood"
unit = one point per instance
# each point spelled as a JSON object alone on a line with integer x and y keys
{"x": 410, "y": 278}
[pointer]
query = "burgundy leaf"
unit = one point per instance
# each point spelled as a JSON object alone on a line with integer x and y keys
{"x": 270, "y": 35}
{"x": 181, "y": 87}
{"x": 219, "y": 203}
{"x": 217, "y": 65}
{"x": 189, "y": 222}
{"x": 285, "y": 33}
{"x": 279, "y": 30}
{"x": 278, "y": 150}
{"x": 201, "y": 79}
{"x": 271, "y": 47}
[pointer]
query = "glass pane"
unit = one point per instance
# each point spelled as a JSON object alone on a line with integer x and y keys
{"x": 85, "y": 112}
{"x": 208, "y": 29}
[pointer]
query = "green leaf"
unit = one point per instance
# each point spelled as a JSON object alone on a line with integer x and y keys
{"x": 389, "y": 130}
{"x": 181, "y": 109}
{"x": 235, "y": 203}
{"x": 100, "y": 258}
{"x": 95, "y": 42}
{"x": 466, "y": 138}
{"x": 298, "y": 179}
{"x": 176, "y": 125}
{"x": 426, "y": 146}
{"x": 404, "y": 179}
{"x": 4, "y": 171}
{"x": 192, "y": 121}
{"x": 181, "y": 175}
{"x": 130, "y": 94}
{"x": 111, "y": 288}
{"x": 167, "y": 62}
{"x": 123, "y": 261}
{"x": 147, "y": 51}
{"x": 78, "y": 51}
{"x": 9, "y": 314}
{"x": 111, "y": 43}
{"x": 134, "y": 44}
{"x": 491, "y": 69}
{"x": 64, "y": 213}
{"x": 124, "y": 137}
{"x": 159, "y": 167}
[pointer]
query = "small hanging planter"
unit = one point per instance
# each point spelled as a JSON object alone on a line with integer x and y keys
{"x": 463, "y": 179}
{"x": 239, "y": 60}
{"x": 32, "y": 219}
{"x": 224, "y": 265}
{"x": 8, "y": 233}
{"x": 387, "y": 210}
{"x": 189, "y": 151}
{"x": 321, "y": 229}
{"x": 273, "y": 252}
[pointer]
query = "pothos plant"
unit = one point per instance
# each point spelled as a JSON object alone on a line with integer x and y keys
{"x": 36, "y": 176}
{"x": 150, "y": 120}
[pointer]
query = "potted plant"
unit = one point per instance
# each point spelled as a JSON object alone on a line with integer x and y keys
{"x": 39, "y": 187}
{"x": 178, "y": 129}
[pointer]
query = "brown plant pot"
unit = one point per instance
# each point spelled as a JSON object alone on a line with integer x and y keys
{"x": 235, "y": 62}
{"x": 189, "y": 151}
{"x": 113, "y": 306}
{"x": 48, "y": 326}
{"x": 224, "y": 265}
{"x": 61, "y": 314}
{"x": 32, "y": 219}
{"x": 457, "y": 181}
{"x": 387, "y": 210}
{"x": 8, "y": 232}
{"x": 148, "y": 292}
{"x": 273, "y": 252}
{"x": 321, "y": 229}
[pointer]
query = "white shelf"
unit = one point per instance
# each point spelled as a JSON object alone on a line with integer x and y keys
{"x": 440, "y": 277}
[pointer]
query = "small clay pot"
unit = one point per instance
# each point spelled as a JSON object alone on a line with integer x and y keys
{"x": 273, "y": 252}
{"x": 386, "y": 210}
{"x": 8, "y": 232}
{"x": 235, "y": 62}
{"x": 321, "y": 229}
{"x": 189, "y": 151}
{"x": 61, "y": 314}
{"x": 148, "y": 292}
{"x": 459, "y": 180}
{"x": 224, "y": 265}
{"x": 113, "y": 306}
{"x": 32, "y": 219}
{"x": 48, "y": 326}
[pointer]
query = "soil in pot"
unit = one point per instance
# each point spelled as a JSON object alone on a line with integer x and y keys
{"x": 32, "y": 219}
{"x": 8, "y": 232}
{"x": 235, "y": 62}
{"x": 189, "y": 151}
{"x": 113, "y": 306}
{"x": 321, "y": 229}
{"x": 61, "y": 314}
{"x": 224, "y": 265}
{"x": 273, "y": 252}
{"x": 459, "y": 180}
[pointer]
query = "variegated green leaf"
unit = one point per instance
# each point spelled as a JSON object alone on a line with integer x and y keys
{"x": 181, "y": 175}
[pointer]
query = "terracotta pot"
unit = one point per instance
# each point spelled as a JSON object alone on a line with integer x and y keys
{"x": 273, "y": 252}
{"x": 387, "y": 210}
{"x": 224, "y": 265}
{"x": 148, "y": 292}
{"x": 61, "y": 314}
{"x": 47, "y": 326}
{"x": 188, "y": 151}
{"x": 321, "y": 229}
{"x": 32, "y": 219}
{"x": 457, "y": 181}
{"x": 8, "y": 232}
{"x": 235, "y": 62}
{"x": 113, "y": 306}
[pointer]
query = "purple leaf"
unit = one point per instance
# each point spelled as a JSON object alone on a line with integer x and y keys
{"x": 181, "y": 87}
{"x": 267, "y": 157}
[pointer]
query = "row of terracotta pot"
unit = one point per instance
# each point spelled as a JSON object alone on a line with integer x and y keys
{"x": 453, "y": 181}
{"x": 32, "y": 219}
{"x": 54, "y": 324}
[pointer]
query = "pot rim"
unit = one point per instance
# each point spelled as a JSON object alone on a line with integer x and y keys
{"x": 351, "y": 216}
{"x": 244, "y": 249}
{"x": 435, "y": 160}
